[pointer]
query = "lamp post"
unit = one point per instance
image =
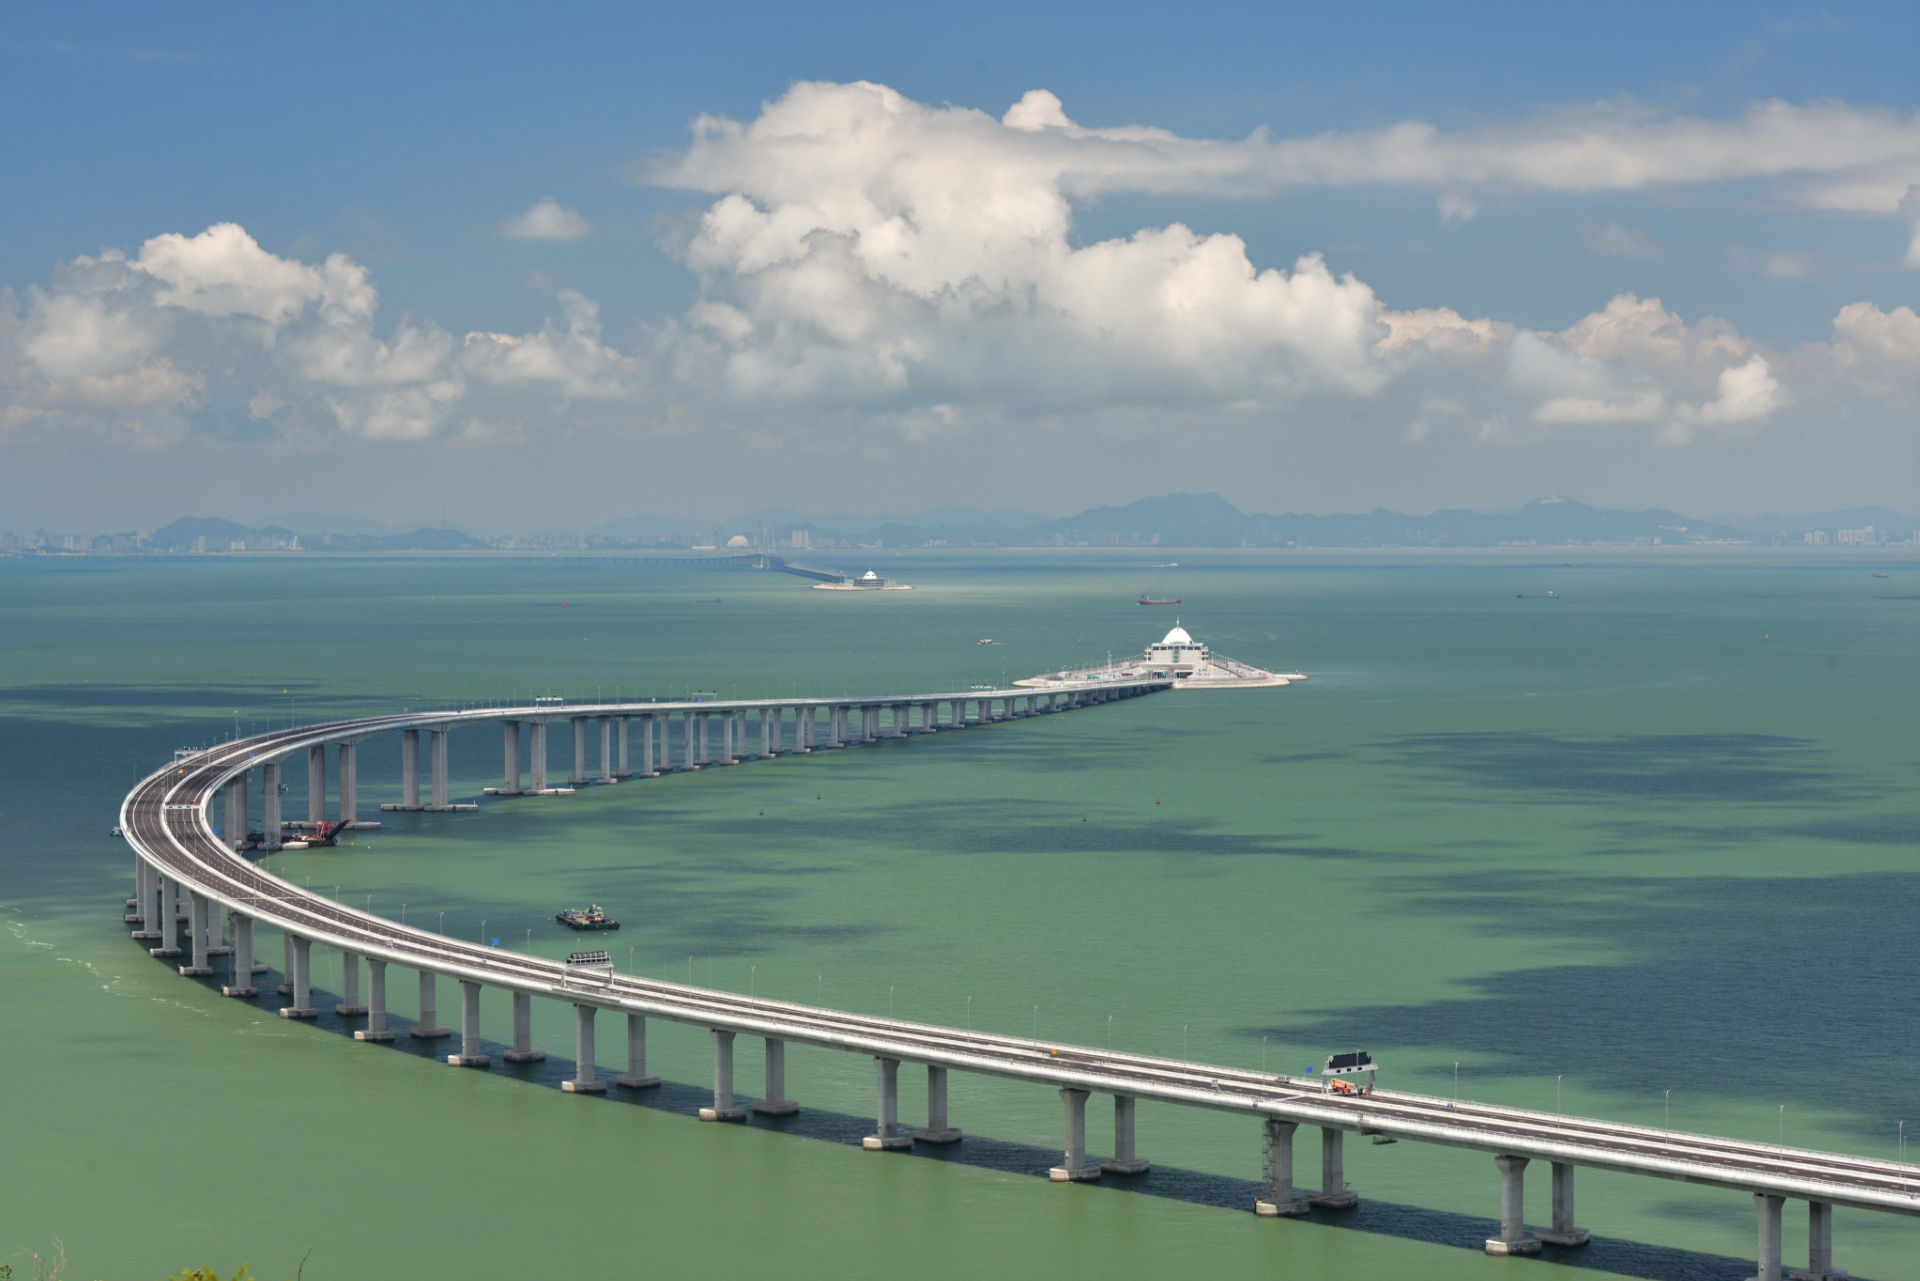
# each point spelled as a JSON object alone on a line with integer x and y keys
{"x": 1556, "y": 1097}
{"x": 483, "y": 931}
{"x": 969, "y": 1014}
{"x": 1456, "y": 1080}
{"x": 1667, "y": 1120}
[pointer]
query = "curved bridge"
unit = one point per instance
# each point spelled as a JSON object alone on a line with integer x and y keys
{"x": 184, "y": 872}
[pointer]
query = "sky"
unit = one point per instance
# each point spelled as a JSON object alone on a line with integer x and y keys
{"x": 518, "y": 267}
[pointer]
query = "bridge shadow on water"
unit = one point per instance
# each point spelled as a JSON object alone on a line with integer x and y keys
{"x": 1194, "y": 1187}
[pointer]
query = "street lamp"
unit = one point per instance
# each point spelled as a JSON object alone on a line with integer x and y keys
{"x": 1456, "y": 1080}
{"x": 1668, "y": 1120}
{"x": 483, "y": 931}
{"x": 1556, "y": 1097}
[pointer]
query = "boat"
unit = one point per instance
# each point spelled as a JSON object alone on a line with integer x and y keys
{"x": 1879, "y": 575}
{"x": 984, "y": 640}
{"x": 1147, "y": 600}
{"x": 591, "y": 917}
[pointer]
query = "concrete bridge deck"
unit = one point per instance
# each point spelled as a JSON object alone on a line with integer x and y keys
{"x": 168, "y": 821}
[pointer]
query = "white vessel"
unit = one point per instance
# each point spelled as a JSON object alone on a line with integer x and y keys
{"x": 1178, "y": 655}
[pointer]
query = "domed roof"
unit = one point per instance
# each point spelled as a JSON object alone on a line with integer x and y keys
{"x": 868, "y": 577}
{"x": 1178, "y": 636}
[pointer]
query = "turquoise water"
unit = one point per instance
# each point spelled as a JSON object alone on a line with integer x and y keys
{"x": 1657, "y": 834}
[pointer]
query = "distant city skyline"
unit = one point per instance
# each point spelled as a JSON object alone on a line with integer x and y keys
{"x": 604, "y": 262}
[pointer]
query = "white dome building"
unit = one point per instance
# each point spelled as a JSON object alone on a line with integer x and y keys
{"x": 1178, "y": 652}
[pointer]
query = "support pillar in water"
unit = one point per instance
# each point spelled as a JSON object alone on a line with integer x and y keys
{"x": 888, "y": 1136}
{"x": 636, "y": 1077}
{"x": 1280, "y": 1199}
{"x": 1075, "y": 1168}
{"x": 1124, "y": 1159}
{"x": 586, "y": 1078}
{"x": 523, "y": 1051}
{"x": 776, "y": 1102}
{"x": 1513, "y": 1238}
{"x": 376, "y": 1028}
{"x": 724, "y": 1108}
{"x": 470, "y": 1055}
{"x": 937, "y": 1129}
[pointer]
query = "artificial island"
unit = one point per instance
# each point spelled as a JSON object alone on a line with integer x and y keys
{"x": 1176, "y": 657}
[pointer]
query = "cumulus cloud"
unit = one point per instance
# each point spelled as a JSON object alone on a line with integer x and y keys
{"x": 213, "y": 328}
{"x": 548, "y": 219}
{"x": 871, "y": 267}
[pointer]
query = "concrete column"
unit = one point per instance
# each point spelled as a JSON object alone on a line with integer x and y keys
{"x": 1124, "y": 1159}
{"x": 620, "y": 766}
{"x": 689, "y": 742}
{"x": 470, "y": 1055}
{"x": 138, "y": 905}
{"x": 706, "y": 738}
{"x": 739, "y": 735}
{"x": 376, "y": 1028}
{"x": 636, "y": 1077}
{"x": 169, "y": 920}
{"x": 198, "y": 966}
{"x": 437, "y": 759}
{"x": 270, "y": 805}
{"x": 727, "y": 745}
{"x": 317, "y": 783}
{"x": 242, "y": 984}
{"x": 537, "y": 756}
{"x": 579, "y": 776}
{"x": 302, "y": 980}
{"x": 409, "y": 769}
{"x": 1819, "y": 1246}
{"x": 523, "y": 1051}
{"x": 349, "y": 783}
{"x": 1513, "y": 1238}
{"x": 234, "y": 821}
{"x": 349, "y": 1006}
{"x": 429, "y": 1028}
{"x": 1563, "y": 1231}
{"x": 285, "y": 986}
{"x": 1280, "y": 1200}
{"x": 606, "y": 749}
{"x": 887, "y": 1136}
{"x": 769, "y": 732}
{"x": 899, "y": 727}
{"x": 216, "y": 933}
{"x": 1333, "y": 1171}
{"x": 869, "y": 724}
{"x": 724, "y": 1108}
{"x": 1075, "y": 1168}
{"x": 1769, "y": 1251}
{"x": 937, "y": 1129}
{"x": 646, "y": 747}
{"x": 586, "y": 1079}
{"x": 776, "y": 1102}
{"x": 510, "y": 771}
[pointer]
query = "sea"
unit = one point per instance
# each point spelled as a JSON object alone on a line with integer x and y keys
{"x": 1625, "y": 835}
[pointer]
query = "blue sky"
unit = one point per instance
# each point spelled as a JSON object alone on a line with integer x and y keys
{"x": 1774, "y": 373}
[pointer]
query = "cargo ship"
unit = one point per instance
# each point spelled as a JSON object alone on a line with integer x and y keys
{"x": 1147, "y": 600}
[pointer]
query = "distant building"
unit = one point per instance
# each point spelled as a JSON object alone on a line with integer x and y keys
{"x": 1866, "y": 536}
{"x": 1817, "y": 538}
{"x": 802, "y": 539}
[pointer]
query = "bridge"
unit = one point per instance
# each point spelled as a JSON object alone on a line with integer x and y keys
{"x": 187, "y": 875}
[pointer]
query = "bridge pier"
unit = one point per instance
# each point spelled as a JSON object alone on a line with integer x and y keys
{"x": 1280, "y": 1201}
{"x": 537, "y": 757}
{"x": 766, "y": 734}
{"x": 689, "y": 742}
{"x": 437, "y": 740}
{"x": 1563, "y": 1231}
{"x": 646, "y": 747}
{"x": 1075, "y": 1168}
{"x": 169, "y": 920}
{"x": 887, "y": 1136}
{"x": 1124, "y": 1159}
{"x": 234, "y": 819}
{"x": 1769, "y": 1245}
{"x": 349, "y": 1006}
{"x": 349, "y": 784}
{"x": 727, "y": 755}
{"x": 586, "y": 1077}
{"x": 141, "y": 908}
{"x": 636, "y": 1077}
{"x": 429, "y": 1027}
{"x": 302, "y": 980}
{"x": 937, "y": 1129}
{"x": 1513, "y": 1238}
{"x": 242, "y": 984}
{"x": 1334, "y": 1193}
{"x": 285, "y": 986}
{"x": 606, "y": 750}
{"x": 523, "y": 1051}
{"x": 776, "y": 1102}
{"x": 705, "y": 757}
{"x": 620, "y": 769}
{"x": 1819, "y": 1246}
{"x": 409, "y": 770}
{"x": 271, "y": 828}
{"x": 724, "y": 1108}
{"x": 578, "y": 778}
{"x": 376, "y": 1028}
{"x": 510, "y": 770}
{"x": 869, "y": 724}
{"x": 317, "y": 783}
{"x": 197, "y": 910}
{"x": 470, "y": 1055}
{"x": 898, "y": 729}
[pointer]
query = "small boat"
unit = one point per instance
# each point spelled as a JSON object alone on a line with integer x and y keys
{"x": 592, "y": 917}
{"x": 1146, "y": 600}
{"x": 988, "y": 640}
{"x": 1879, "y": 575}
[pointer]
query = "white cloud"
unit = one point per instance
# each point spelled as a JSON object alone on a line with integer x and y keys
{"x": 548, "y": 219}
{"x": 1608, "y": 238}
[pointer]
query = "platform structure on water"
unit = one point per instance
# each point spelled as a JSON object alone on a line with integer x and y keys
{"x": 1177, "y": 657}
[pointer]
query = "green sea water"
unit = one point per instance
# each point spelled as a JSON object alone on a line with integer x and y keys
{"x": 1646, "y": 850}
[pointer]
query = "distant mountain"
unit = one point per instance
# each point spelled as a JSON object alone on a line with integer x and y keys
{"x": 213, "y": 534}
